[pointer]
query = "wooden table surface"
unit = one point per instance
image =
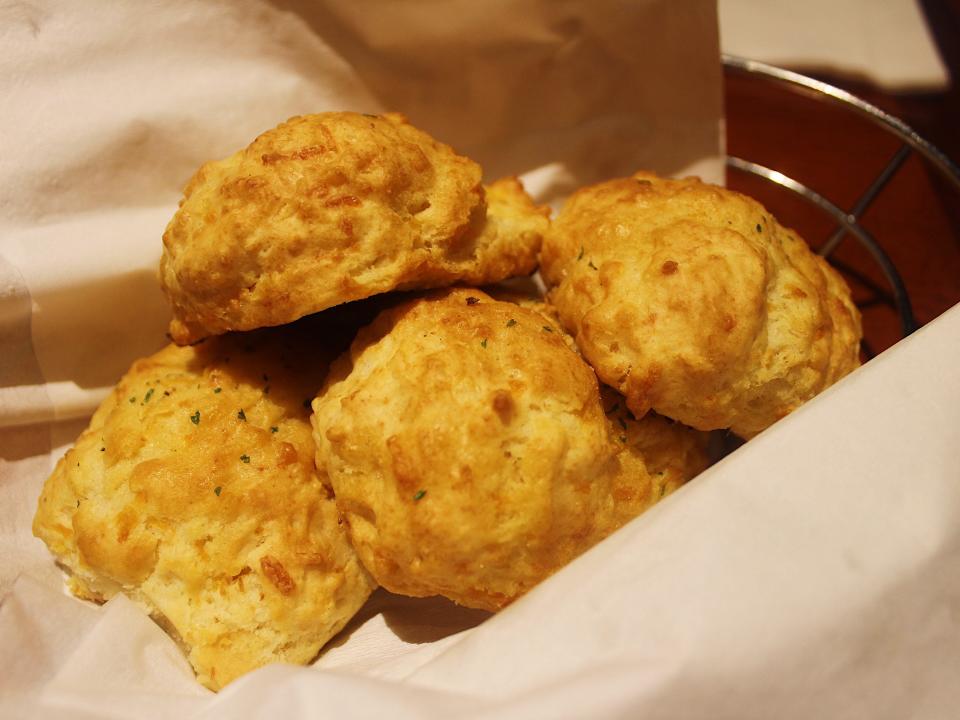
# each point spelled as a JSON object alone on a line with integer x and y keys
{"x": 838, "y": 153}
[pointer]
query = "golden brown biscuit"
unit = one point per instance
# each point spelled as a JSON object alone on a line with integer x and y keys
{"x": 194, "y": 492}
{"x": 468, "y": 449}
{"x": 693, "y": 301}
{"x": 335, "y": 207}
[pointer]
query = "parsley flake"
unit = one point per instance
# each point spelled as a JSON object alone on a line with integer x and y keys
{"x": 419, "y": 495}
{"x": 146, "y": 398}
{"x": 591, "y": 265}
{"x": 547, "y": 328}
{"x": 217, "y": 490}
{"x": 274, "y": 429}
{"x": 483, "y": 343}
{"x": 217, "y": 390}
{"x": 759, "y": 229}
{"x": 242, "y": 415}
{"x": 245, "y": 458}
{"x": 195, "y": 418}
{"x": 511, "y": 322}
{"x": 472, "y": 300}
{"x": 580, "y": 256}
{"x": 132, "y": 399}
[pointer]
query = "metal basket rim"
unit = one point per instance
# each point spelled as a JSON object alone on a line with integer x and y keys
{"x": 848, "y": 220}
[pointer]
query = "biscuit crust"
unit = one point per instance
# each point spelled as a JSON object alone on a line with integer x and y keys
{"x": 693, "y": 301}
{"x": 469, "y": 451}
{"x": 669, "y": 453}
{"x": 334, "y": 207}
{"x": 194, "y": 492}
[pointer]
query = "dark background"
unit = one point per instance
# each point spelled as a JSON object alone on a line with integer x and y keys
{"x": 838, "y": 153}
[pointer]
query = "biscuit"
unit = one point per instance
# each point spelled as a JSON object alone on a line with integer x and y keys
{"x": 693, "y": 301}
{"x": 194, "y": 492}
{"x": 468, "y": 449}
{"x": 334, "y": 207}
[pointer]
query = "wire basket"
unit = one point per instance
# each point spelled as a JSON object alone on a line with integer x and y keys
{"x": 848, "y": 221}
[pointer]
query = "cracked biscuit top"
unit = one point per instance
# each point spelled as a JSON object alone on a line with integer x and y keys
{"x": 692, "y": 300}
{"x": 334, "y": 207}
{"x": 467, "y": 447}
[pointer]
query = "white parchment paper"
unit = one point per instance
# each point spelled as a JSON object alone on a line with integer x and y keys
{"x": 812, "y": 573}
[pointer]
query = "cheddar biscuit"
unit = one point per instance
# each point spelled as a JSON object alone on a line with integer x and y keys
{"x": 194, "y": 492}
{"x": 334, "y": 207}
{"x": 469, "y": 451}
{"x": 693, "y": 301}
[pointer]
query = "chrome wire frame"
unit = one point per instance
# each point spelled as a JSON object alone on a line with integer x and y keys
{"x": 848, "y": 221}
